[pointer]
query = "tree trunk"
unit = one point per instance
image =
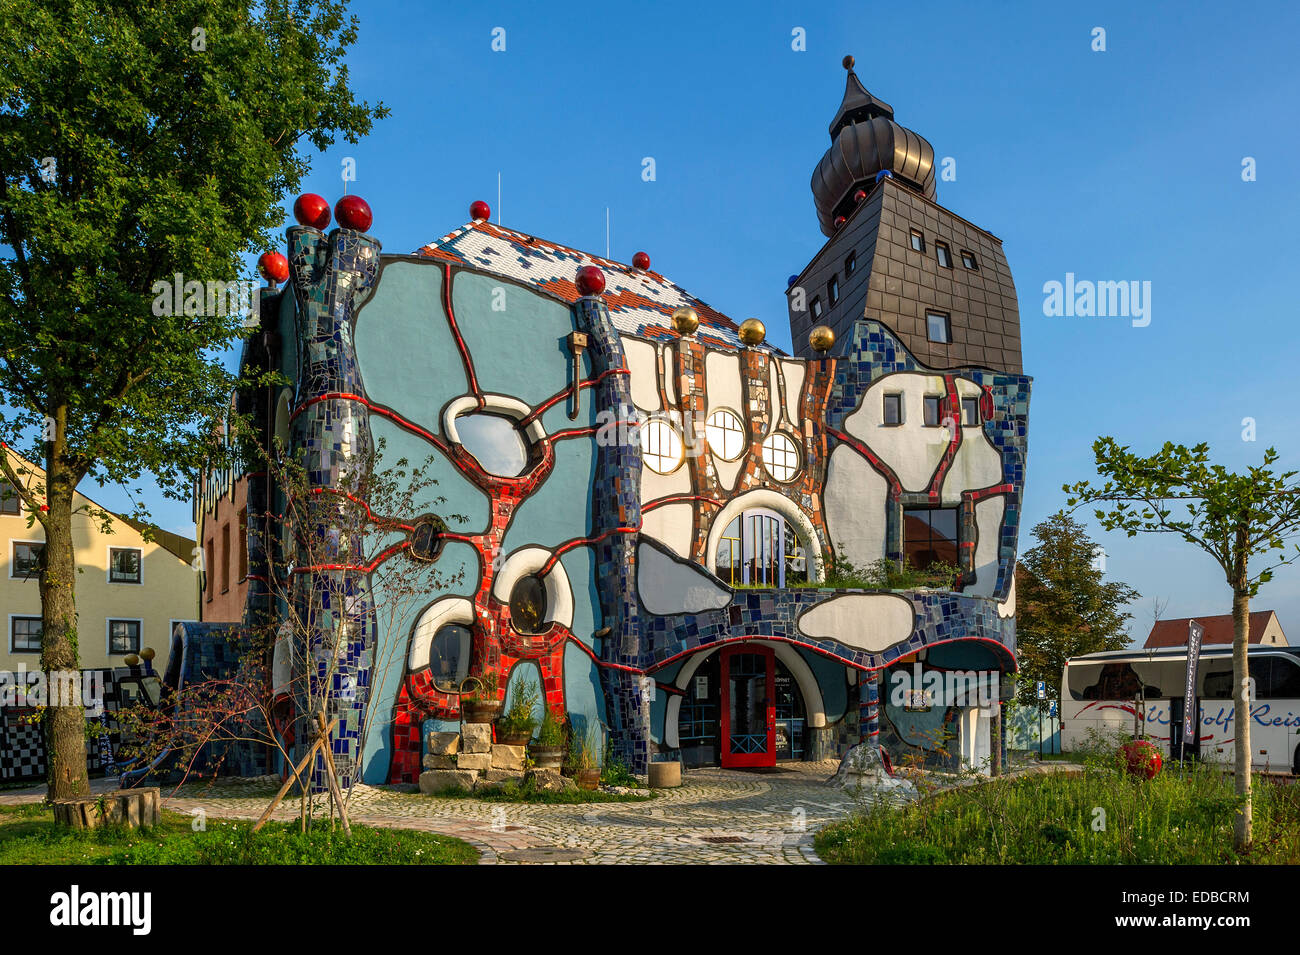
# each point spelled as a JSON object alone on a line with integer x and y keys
{"x": 65, "y": 724}
{"x": 1241, "y": 711}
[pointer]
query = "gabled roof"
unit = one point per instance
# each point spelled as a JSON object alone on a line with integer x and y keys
{"x": 1173, "y": 633}
{"x": 640, "y": 303}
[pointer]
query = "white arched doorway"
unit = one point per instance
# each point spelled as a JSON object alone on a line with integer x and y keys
{"x": 756, "y": 663}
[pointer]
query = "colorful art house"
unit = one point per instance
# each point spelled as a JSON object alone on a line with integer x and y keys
{"x": 661, "y": 509}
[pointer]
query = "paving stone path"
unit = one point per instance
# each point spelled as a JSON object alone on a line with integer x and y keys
{"x": 717, "y": 817}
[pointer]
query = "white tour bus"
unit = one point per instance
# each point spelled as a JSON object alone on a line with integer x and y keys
{"x": 1101, "y": 692}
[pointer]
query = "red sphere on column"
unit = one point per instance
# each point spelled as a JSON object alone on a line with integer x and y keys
{"x": 273, "y": 266}
{"x": 353, "y": 212}
{"x": 860, "y": 195}
{"x": 591, "y": 280}
{"x": 312, "y": 210}
{"x": 641, "y": 261}
{"x": 478, "y": 209}
{"x": 839, "y": 221}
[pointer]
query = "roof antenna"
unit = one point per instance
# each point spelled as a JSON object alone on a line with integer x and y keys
{"x": 607, "y": 232}
{"x": 498, "y": 197}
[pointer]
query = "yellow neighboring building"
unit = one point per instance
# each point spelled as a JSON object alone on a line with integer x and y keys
{"x": 129, "y": 592}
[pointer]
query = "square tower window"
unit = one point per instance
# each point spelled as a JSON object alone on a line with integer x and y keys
{"x": 833, "y": 290}
{"x": 970, "y": 412}
{"x": 918, "y": 241}
{"x": 816, "y": 308}
{"x": 968, "y": 260}
{"x": 943, "y": 255}
{"x": 850, "y": 264}
{"x": 933, "y": 405}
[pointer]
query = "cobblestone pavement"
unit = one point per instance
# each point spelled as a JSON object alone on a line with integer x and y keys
{"x": 717, "y": 817}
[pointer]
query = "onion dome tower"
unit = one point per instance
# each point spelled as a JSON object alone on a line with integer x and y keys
{"x": 865, "y": 142}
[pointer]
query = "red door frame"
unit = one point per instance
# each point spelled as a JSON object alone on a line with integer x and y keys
{"x": 728, "y": 758}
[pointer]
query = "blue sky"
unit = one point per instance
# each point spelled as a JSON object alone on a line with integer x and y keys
{"x": 1116, "y": 165}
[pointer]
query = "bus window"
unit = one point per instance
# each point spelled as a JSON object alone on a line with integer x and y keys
{"x": 1276, "y": 678}
{"x": 1081, "y": 679}
{"x": 1216, "y": 682}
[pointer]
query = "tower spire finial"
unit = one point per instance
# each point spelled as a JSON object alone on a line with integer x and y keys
{"x": 847, "y": 62}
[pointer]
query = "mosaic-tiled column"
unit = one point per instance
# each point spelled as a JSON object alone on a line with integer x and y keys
{"x": 262, "y": 538}
{"x": 331, "y": 430}
{"x": 869, "y": 707}
{"x": 616, "y": 500}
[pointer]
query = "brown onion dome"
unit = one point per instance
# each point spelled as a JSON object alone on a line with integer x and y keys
{"x": 865, "y": 141}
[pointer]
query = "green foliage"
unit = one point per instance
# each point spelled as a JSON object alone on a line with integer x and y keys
{"x": 29, "y": 836}
{"x": 552, "y": 732}
{"x": 165, "y": 158}
{"x": 616, "y": 773}
{"x": 1064, "y": 607}
{"x": 886, "y": 574}
{"x": 1231, "y": 516}
{"x": 519, "y": 718}
{"x": 1178, "y": 818}
{"x": 585, "y": 750}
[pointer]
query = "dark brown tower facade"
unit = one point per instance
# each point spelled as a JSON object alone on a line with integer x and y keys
{"x": 894, "y": 255}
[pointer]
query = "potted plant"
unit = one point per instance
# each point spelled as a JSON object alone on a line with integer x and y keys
{"x": 586, "y": 759}
{"x": 481, "y": 704}
{"x": 516, "y": 726}
{"x": 547, "y": 751}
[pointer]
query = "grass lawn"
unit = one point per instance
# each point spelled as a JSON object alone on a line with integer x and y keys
{"x": 1099, "y": 817}
{"x": 29, "y": 836}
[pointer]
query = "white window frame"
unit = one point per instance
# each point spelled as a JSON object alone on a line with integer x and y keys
{"x": 108, "y": 635}
{"x": 108, "y": 567}
{"x": 798, "y": 457}
{"x": 24, "y": 616}
{"x": 13, "y": 563}
{"x": 655, "y": 421}
{"x": 744, "y": 435}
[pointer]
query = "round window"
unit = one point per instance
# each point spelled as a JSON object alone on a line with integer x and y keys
{"x": 661, "y": 446}
{"x": 528, "y": 604}
{"x": 495, "y": 441}
{"x": 780, "y": 456}
{"x": 726, "y": 435}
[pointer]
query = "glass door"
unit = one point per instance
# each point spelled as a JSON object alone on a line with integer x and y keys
{"x": 748, "y": 706}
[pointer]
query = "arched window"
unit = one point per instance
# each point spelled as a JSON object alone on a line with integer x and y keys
{"x": 761, "y": 549}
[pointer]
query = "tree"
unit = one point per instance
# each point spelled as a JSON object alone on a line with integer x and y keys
{"x": 276, "y": 696}
{"x": 1064, "y": 608}
{"x": 141, "y": 145}
{"x": 1235, "y": 518}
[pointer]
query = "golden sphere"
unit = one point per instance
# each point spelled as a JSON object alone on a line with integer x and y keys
{"x": 131, "y": 660}
{"x": 821, "y": 338}
{"x": 752, "y": 331}
{"x": 686, "y": 320}
{"x": 147, "y": 653}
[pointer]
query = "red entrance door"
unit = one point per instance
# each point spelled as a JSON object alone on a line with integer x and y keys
{"x": 748, "y": 706}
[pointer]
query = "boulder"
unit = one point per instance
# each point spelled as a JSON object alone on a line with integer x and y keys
{"x": 479, "y": 761}
{"x": 444, "y": 744}
{"x": 862, "y": 768}
{"x": 494, "y": 776}
{"x": 432, "y": 761}
{"x": 437, "y": 780}
{"x": 550, "y": 781}
{"x": 476, "y": 738}
{"x": 508, "y": 757}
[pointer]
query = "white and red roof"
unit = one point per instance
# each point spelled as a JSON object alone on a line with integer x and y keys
{"x": 640, "y": 302}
